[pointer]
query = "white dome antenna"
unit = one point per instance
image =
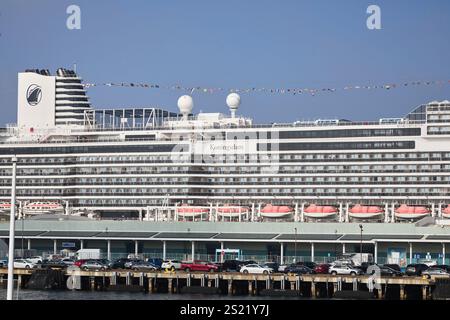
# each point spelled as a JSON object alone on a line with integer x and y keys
{"x": 185, "y": 105}
{"x": 233, "y": 102}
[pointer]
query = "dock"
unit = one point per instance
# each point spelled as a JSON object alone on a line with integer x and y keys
{"x": 235, "y": 283}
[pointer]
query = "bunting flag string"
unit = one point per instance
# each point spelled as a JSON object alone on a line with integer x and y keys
{"x": 293, "y": 91}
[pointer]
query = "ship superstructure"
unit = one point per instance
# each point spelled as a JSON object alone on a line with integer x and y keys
{"x": 150, "y": 160}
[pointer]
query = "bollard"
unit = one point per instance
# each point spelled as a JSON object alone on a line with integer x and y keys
{"x": 128, "y": 279}
{"x": 92, "y": 282}
{"x": 250, "y": 288}
{"x": 209, "y": 283}
{"x": 355, "y": 284}
{"x": 141, "y": 279}
{"x": 113, "y": 279}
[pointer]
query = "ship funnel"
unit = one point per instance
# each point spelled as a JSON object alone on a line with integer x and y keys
{"x": 233, "y": 102}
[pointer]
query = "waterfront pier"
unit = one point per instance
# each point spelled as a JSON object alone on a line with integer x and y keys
{"x": 234, "y": 283}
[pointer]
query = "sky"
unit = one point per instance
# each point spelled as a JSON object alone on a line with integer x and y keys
{"x": 235, "y": 44}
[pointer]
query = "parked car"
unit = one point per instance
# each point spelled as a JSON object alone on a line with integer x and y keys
{"x": 35, "y": 259}
{"x": 24, "y": 263}
{"x": 283, "y": 267}
{"x": 171, "y": 265}
{"x": 231, "y": 265}
{"x": 144, "y": 266}
{"x": 443, "y": 267}
{"x": 94, "y": 265}
{"x": 52, "y": 264}
{"x": 120, "y": 263}
{"x": 199, "y": 265}
{"x": 322, "y": 268}
{"x": 308, "y": 264}
{"x": 435, "y": 272}
{"x": 393, "y": 266}
{"x": 384, "y": 271}
{"x": 155, "y": 261}
{"x": 68, "y": 261}
{"x": 273, "y": 265}
{"x": 255, "y": 268}
{"x": 416, "y": 269}
{"x": 79, "y": 262}
{"x": 298, "y": 269}
{"x": 344, "y": 269}
{"x": 129, "y": 264}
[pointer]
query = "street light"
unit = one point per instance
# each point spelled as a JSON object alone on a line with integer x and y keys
{"x": 295, "y": 245}
{"x": 9, "y": 294}
{"x": 360, "y": 246}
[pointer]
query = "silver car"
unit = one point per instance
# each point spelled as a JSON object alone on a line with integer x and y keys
{"x": 435, "y": 272}
{"x": 94, "y": 265}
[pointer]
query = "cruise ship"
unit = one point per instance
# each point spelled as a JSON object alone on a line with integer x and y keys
{"x": 152, "y": 164}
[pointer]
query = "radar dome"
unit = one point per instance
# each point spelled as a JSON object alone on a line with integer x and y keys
{"x": 233, "y": 102}
{"x": 185, "y": 104}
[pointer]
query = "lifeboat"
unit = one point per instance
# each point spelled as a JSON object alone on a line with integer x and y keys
{"x": 186, "y": 210}
{"x": 446, "y": 212}
{"x": 232, "y": 211}
{"x": 320, "y": 212}
{"x": 365, "y": 212}
{"x": 42, "y": 207}
{"x": 270, "y": 211}
{"x": 5, "y": 207}
{"x": 411, "y": 212}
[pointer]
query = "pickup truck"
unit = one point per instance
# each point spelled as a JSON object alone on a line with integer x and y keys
{"x": 198, "y": 265}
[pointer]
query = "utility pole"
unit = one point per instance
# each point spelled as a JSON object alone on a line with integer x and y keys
{"x": 12, "y": 220}
{"x": 360, "y": 246}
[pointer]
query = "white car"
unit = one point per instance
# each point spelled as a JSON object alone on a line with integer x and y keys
{"x": 171, "y": 265}
{"x": 344, "y": 269}
{"x": 68, "y": 261}
{"x": 24, "y": 263}
{"x": 35, "y": 259}
{"x": 255, "y": 268}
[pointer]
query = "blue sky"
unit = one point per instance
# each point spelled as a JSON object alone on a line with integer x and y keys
{"x": 234, "y": 44}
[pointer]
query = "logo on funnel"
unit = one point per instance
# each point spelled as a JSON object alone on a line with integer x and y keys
{"x": 34, "y": 94}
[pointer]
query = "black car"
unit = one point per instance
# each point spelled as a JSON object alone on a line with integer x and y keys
{"x": 364, "y": 266}
{"x": 120, "y": 263}
{"x": 231, "y": 265}
{"x": 415, "y": 269}
{"x": 57, "y": 264}
{"x": 298, "y": 269}
{"x": 273, "y": 265}
{"x": 443, "y": 267}
{"x": 308, "y": 264}
{"x": 393, "y": 266}
{"x": 384, "y": 271}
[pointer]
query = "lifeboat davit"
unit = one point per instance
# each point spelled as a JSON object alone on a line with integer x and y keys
{"x": 270, "y": 211}
{"x": 320, "y": 212}
{"x": 365, "y": 212}
{"x": 411, "y": 212}
{"x": 186, "y": 210}
{"x": 5, "y": 207}
{"x": 232, "y": 211}
{"x": 42, "y": 207}
{"x": 446, "y": 212}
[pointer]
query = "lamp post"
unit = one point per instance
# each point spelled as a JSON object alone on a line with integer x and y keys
{"x": 360, "y": 246}
{"x": 12, "y": 218}
{"x": 335, "y": 244}
{"x": 295, "y": 245}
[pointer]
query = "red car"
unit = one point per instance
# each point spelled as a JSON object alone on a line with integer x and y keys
{"x": 322, "y": 268}
{"x": 78, "y": 263}
{"x": 199, "y": 265}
